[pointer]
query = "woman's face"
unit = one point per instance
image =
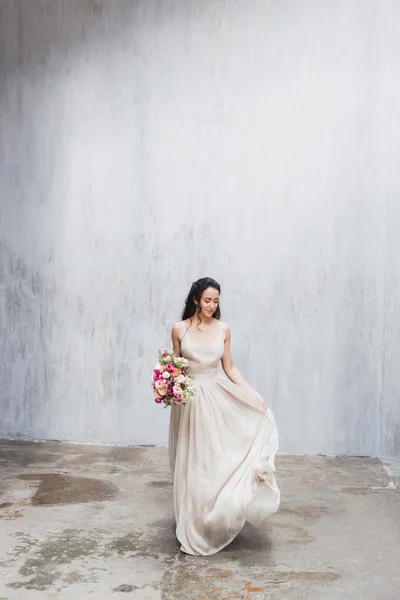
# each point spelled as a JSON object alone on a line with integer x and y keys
{"x": 209, "y": 301}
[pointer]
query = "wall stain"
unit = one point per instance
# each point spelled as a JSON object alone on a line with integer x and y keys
{"x": 94, "y": 8}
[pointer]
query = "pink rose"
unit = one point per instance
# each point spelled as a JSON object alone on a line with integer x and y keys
{"x": 177, "y": 390}
{"x": 158, "y": 400}
{"x": 170, "y": 367}
{"x": 161, "y": 387}
{"x": 176, "y": 372}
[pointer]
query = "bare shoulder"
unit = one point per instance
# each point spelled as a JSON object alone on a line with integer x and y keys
{"x": 226, "y": 330}
{"x": 177, "y": 329}
{"x": 177, "y": 326}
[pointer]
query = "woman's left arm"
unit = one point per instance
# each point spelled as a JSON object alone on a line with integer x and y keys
{"x": 227, "y": 363}
{"x": 232, "y": 372}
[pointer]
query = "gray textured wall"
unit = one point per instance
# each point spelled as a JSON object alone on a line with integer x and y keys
{"x": 144, "y": 144}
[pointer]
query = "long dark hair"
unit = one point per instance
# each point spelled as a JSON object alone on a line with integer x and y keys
{"x": 196, "y": 292}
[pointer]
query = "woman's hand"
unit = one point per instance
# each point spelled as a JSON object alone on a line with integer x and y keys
{"x": 261, "y": 400}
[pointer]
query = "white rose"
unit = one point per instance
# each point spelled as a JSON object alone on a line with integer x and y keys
{"x": 166, "y": 375}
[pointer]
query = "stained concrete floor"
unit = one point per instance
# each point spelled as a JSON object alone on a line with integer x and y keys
{"x": 82, "y": 522}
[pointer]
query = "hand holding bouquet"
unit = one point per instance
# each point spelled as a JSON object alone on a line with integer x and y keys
{"x": 172, "y": 382}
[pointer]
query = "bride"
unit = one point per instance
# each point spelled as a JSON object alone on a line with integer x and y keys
{"x": 222, "y": 445}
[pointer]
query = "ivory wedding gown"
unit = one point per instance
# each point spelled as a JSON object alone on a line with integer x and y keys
{"x": 222, "y": 448}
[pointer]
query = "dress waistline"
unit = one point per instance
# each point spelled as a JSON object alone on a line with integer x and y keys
{"x": 206, "y": 376}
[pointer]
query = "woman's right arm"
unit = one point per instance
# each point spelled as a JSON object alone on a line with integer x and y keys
{"x": 176, "y": 341}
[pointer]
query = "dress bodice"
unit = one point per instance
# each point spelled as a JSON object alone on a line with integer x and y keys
{"x": 203, "y": 357}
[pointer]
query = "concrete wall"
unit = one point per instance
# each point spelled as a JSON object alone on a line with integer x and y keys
{"x": 144, "y": 144}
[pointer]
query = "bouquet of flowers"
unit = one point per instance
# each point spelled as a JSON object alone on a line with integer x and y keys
{"x": 172, "y": 382}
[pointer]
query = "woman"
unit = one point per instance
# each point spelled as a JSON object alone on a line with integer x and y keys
{"x": 223, "y": 444}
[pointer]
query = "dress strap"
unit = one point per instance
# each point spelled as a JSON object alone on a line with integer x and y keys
{"x": 183, "y": 330}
